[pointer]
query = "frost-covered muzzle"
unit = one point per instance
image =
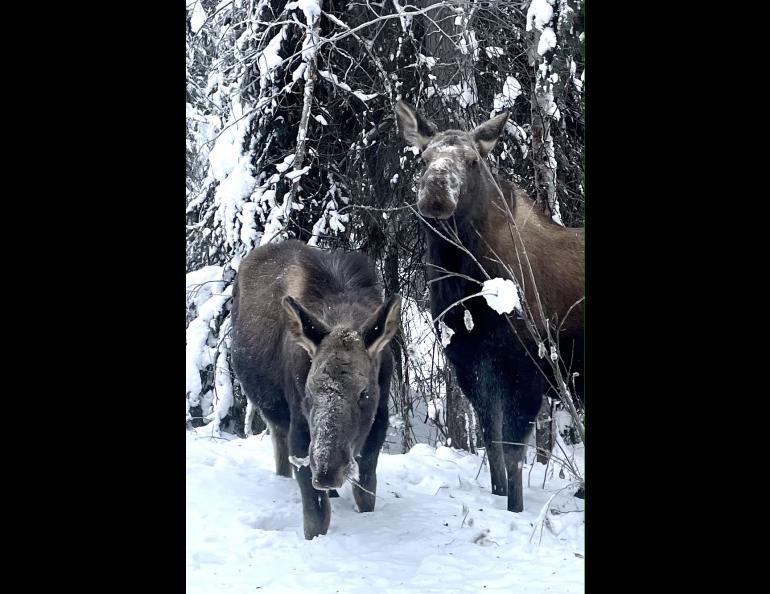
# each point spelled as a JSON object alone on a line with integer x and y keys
{"x": 439, "y": 188}
{"x": 330, "y": 452}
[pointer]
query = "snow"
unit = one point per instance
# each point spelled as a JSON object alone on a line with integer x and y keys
{"x": 463, "y": 92}
{"x": 405, "y": 19}
{"x": 501, "y": 295}
{"x": 346, "y": 87}
{"x": 494, "y": 51}
{"x": 223, "y": 392}
{"x": 365, "y": 96}
{"x": 295, "y": 174}
{"x": 468, "y": 320}
{"x": 435, "y": 528}
{"x": 547, "y": 41}
{"x": 286, "y": 163}
{"x": 511, "y": 90}
{"x": 336, "y": 81}
{"x": 223, "y": 157}
{"x": 429, "y": 61}
{"x": 203, "y": 283}
{"x": 270, "y": 60}
{"x": 539, "y": 14}
{"x": 446, "y": 334}
{"x": 230, "y": 196}
{"x": 198, "y": 16}
{"x": 205, "y": 295}
{"x": 311, "y": 9}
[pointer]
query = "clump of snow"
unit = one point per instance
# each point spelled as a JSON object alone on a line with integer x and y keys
{"x": 230, "y": 196}
{"x": 223, "y": 386}
{"x": 501, "y": 295}
{"x": 464, "y": 93}
{"x": 198, "y": 16}
{"x": 201, "y": 284}
{"x": 435, "y": 409}
{"x": 286, "y": 163}
{"x": 539, "y": 14}
{"x": 311, "y": 8}
{"x": 330, "y": 76}
{"x": 493, "y": 51}
{"x": 428, "y": 61}
{"x": 511, "y": 90}
{"x": 299, "y": 462}
{"x": 297, "y": 173}
{"x": 446, "y": 334}
{"x": 365, "y": 96}
{"x": 468, "y": 320}
{"x": 547, "y": 41}
{"x": 198, "y": 351}
{"x": 269, "y": 60}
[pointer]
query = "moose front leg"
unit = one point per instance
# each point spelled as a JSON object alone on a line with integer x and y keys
{"x": 316, "y": 509}
{"x": 364, "y": 492}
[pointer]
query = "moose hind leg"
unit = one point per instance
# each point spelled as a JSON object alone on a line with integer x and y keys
{"x": 489, "y": 414}
{"x": 364, "y": 492}
{"x": 280, "y": 450}
{"x": 518, "y": 422}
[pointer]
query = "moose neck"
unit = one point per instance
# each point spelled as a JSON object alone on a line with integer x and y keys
{"x": 468, "y": 227}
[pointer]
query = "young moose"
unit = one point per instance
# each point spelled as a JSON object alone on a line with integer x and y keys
{"x": 498, "y": 370}
{"x": 311, "y": 350}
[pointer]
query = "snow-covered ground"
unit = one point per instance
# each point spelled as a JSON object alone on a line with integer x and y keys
{"x": 436, "y": 528}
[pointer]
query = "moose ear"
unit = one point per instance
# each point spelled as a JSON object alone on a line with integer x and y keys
{"x": 382, "y": 326}
{"x": 306, "y": 328}
{"x": 416, "y": 130}
{"x": 486, "y": 134}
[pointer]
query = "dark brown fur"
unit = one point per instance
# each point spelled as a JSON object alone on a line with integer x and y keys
{"x": 498, "y": 371}
{"x": 310, "y": 348}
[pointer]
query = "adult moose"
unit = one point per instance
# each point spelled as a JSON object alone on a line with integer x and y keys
{"x": 311, "y": 350}
{"x": 502, "y": 230}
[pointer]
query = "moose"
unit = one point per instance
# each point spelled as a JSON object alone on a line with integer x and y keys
{"x": 477, "y": 224}
{"x": 311, "y": 350}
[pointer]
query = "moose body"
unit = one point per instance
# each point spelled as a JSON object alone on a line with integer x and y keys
{"x": 310, "y": 348}
{"x": 501, "y": 230}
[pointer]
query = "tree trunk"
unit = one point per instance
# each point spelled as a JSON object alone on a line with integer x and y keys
{"x": 542, "y": 113}
{"x": 544, "y": 431}
{"x": 459, "y": 415}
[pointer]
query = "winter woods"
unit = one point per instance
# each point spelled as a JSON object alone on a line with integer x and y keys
{"x": 291, "y": 134}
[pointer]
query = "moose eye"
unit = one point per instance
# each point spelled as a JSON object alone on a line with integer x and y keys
{"x": 364, "y": 394}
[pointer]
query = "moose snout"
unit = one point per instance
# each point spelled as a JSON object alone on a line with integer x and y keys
{"x": 435, "y": 199}
{"x": 329, "y": 467}
{"x": 434, "y": 207}
{"x": 323, "y": 481}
